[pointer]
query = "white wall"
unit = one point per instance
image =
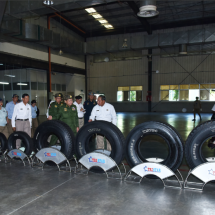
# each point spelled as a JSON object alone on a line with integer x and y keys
{"x": 39, "y": 55}
{"x": 76, "y": 85}
{"x": 105, "y": 77}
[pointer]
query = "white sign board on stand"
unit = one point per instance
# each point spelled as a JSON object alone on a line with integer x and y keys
{"x": 205, "y": 172}
{"x": 156, "y": 169}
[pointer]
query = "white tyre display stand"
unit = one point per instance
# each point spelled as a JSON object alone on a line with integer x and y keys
{"x": 54, "y": 155}
{"x": 16, "y": 153}
{"x": 101, "y": 160}
{"x": 4, "y": 157}
{"x": 204, "y": 172}
{"x": 156, "y": 169}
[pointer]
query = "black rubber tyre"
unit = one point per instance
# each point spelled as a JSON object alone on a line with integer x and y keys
{"x": 26, "y": 141}
{"x": 194, "y": 143}
{"x": 3, "y": 141}
{"x": 172, "y": 138}
{"x": 110, "y": 131}
{"x": 61, "y": 130}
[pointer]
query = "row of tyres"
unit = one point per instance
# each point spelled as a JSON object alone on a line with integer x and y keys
{"x": 121, "y": 148}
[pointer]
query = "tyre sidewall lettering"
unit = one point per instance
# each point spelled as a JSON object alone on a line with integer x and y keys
{"x": 172, "y": 139}
{"x": 197, "y": 143}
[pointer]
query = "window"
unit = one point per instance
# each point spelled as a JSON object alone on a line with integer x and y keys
{"x": 123, "y": 88}
{"x": 165, "y": 95}
{"x": 124, "y": 95}
{"x": 16, "y": 86}
{"x": 25, "y": 86}
{"x": 204, "y": 95}
{"x": 173, "y": 95}
{"x": 34, "y": 85}
{"x": 58, "y": 87}
{"x": 187, "y": 92}
{"x": 193, "y": 94}
{"x": 119, "y": 96}
{"x": 212, "y": 95}
{"x": 7, "y": 86}
{"x": 132, "y": 93}
{"x": 63, "y": 87}
{"x": 40, "y": 86}
{"x": 53, "y": 87}
{"x": 184, "y": 95}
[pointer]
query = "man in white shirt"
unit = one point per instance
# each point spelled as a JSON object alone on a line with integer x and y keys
{"x": 103, "y": 111}
{"x": 22, "y": 118}
{"x": 80, "y": 109}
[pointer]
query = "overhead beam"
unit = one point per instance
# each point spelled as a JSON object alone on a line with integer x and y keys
{"x": 159, "y": 26}
{"x": 108, "y": 18}
{"x": 18, "y": 61}
{"x": 94, "y": 6}
{"x": 143, "y": 21}
{"x": 183, "y": 23}
{"x": 103, "y": 12}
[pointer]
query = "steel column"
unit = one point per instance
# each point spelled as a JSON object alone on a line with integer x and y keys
{"x": 85, "y": 73}
{"x": 2, "y": 9}
{"x": 149, "y": 80}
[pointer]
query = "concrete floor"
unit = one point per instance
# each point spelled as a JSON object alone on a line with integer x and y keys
{"x": 24, "y": 190}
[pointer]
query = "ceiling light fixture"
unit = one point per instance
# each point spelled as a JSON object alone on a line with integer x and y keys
{"x": 4, "y": 83}
{"x": 21, "y": 84}
{"x": 1, "y": 64}
{"x": 90, "y": 10}
{"x": 108, "y": 26}
{"x": 97, "y": 16}
{"x": 12, "y": 76}
{"x": 47, "y": 2}
{"x": 148, "y": 9}
{"x": 102, "y": 21}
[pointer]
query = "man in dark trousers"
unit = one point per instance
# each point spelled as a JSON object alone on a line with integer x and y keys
{"x": 53, "y": 113}
{"x": 88, "y": 106}
{"x": 196, "y": 108}
{"x": 9, "y": 108}
{"x": 22, "y": 118}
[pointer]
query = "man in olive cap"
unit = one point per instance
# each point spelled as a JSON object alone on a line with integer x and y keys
{"x": 53, "y": 106}
{"x": 53, "y": 113}
{"x": 68, "y": 114}
{"x": 88, "y": 106}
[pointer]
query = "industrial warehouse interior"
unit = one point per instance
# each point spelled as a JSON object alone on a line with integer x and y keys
{"x": 107, "y": 107}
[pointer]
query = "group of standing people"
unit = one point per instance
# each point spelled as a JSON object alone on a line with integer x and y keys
{"x": 76, "y": 115}
{"x": 18, "y": 116}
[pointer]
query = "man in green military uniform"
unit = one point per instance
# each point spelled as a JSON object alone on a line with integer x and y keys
{"x": 53, "y": 113}
{"x": 68, "y": 114}
{"x": 53, "y": 107}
